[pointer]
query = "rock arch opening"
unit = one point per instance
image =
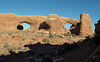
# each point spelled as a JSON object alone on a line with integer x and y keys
{"x": 26, "y": 25}
{"x": 20, "y": 27}
{"x": 68, "y": 25}
{"x": 44, "y": 26}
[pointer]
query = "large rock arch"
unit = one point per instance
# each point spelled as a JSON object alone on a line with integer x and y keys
{"x": 53, "y": 23}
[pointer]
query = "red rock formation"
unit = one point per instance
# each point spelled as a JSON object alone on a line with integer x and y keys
{"x": 97, "y": 27}
{"x": 53, "y": 23}
{"x": 11, "y": 21}
{"x": 85, "y": 25}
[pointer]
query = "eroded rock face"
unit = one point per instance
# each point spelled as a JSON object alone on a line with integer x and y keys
{"x": 85, "y": 25}
{"x": 97, "y": 27}
{"x": 53, "y": 23}
{"x": 10, "y": 21}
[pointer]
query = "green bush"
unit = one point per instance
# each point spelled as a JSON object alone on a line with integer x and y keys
{"x": 33, "y": 39}
{"x": 23, "y": 39}
{"x": 10, "y": 34}
{"x": 6, "y": 45}
{"x": 46, "y": 40}
{"x": 30, "y": 42}
{"x": 60, "y": 36}
{"x": 51, "y": 36}
{"x": 20, "y": 43}
{"x": 12, "y": 47}
{"x": 19, "y": 48}
{"x": 67, "y": 34}
{"x": 73, "y": 35}
{"x": 89, "y": 36}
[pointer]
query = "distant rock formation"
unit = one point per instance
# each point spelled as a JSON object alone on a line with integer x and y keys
{"x": 97, "y": 27}
{"x": 53, "y": 23}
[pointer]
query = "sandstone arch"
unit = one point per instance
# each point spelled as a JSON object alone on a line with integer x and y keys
{"x": 68, "y": 25}
{"x": 54, "y": 23}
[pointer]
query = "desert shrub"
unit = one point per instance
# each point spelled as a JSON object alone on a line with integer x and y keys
{"x": 46, "y": 40}
{"x": 6, "y": 45}
{"x": 8, "y": 48}
{"x": 20, "y": 43}
{"x": 32, "y": 31}
{"x": 19, "y": 48}
{"x": 67, "y": 34}
{"x": 23, "y": 39}
{"x": 6, "y": 37}
{"x": 1, "y": 54}
{"x": 30, "y": 42}
{"x": 73, "y": 35}
{"x": 10, "y": 34}
{"x": 5, "y": 52}
{"x": 60, "y": 36}
{"x": 51, "y": 36}
{"x": 33, "y": 39}
{"x": 25, "y": 48}
{"x": 2, "y": 33}
{"x": 12, "y": 47}
{"x": 89, "y": 36}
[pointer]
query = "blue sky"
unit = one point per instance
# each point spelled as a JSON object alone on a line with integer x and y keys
{"x": 63, "y": 8}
